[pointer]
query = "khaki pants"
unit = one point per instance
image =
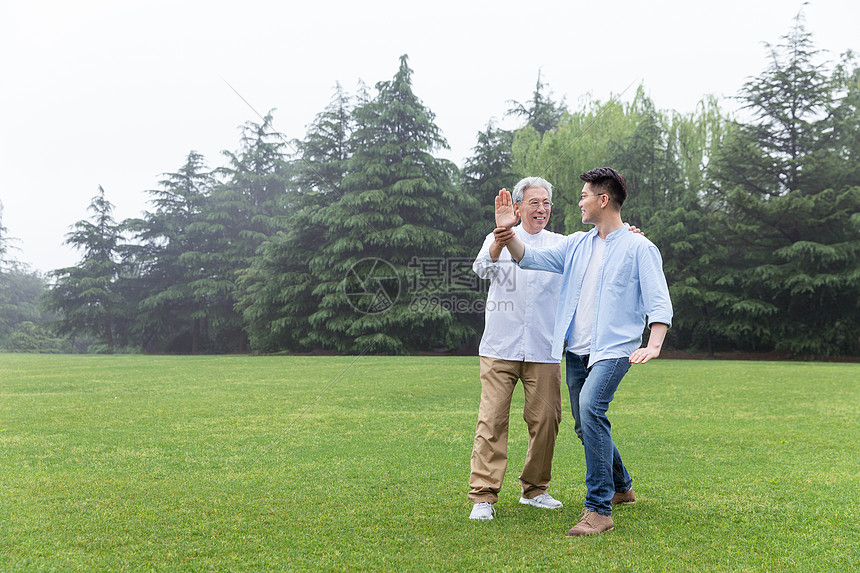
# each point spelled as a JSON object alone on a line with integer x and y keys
{"x": 542, "y": 413}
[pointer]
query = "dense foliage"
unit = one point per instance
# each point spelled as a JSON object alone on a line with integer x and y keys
{"x": 22, "y": 320}
{"x": 359, "y": 239}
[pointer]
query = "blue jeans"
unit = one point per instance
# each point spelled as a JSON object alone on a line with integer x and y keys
{"x": 592, "y": 387}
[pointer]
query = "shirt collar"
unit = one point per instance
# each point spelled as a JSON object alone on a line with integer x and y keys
{"x": 614, "y": 234}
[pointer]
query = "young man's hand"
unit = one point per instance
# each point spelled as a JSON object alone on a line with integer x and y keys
{"x": 503, "y": 236}
{"x": 655, "y": 343}
{"x": 643, "y": 355}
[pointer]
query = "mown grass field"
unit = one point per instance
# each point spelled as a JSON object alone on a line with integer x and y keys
{"x": 153, "y": 463}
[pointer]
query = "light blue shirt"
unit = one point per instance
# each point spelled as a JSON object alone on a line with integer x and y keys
{"x": 630, "y": 286}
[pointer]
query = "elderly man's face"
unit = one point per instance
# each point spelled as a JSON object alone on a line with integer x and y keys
{"x": 534, "y": 209}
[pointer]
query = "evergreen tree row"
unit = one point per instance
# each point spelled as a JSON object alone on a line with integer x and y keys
{"x": 359, "y": 238}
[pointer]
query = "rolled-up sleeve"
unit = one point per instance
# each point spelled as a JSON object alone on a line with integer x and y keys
{"x": 484, "y": 266}
{"x": 655, "y": 291}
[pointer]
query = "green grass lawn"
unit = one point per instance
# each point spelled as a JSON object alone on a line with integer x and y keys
{"x": 153, "y": 463}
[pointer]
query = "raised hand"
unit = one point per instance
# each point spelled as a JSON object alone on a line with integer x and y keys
{"x": 505, "y": 215}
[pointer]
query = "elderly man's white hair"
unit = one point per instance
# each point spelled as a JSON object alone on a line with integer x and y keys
{"x": 520, "y": 188}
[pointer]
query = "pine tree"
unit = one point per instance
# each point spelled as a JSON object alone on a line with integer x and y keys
{"x": 540, "y": 112}
{"x": 276, "y": 292}
{"x": 326, "y": 148}
{"x": 87, "y": 296}
{"x": 243, "y": 213}
{"x": 397, "y": 210}
{"x": 489, "y": 169}
{"x": 170, "y": 258}
{"x": 788, "y": 103}
{"x": 790, "y": 208}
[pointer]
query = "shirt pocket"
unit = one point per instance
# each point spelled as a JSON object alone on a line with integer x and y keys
{"x": 620, "y": 274}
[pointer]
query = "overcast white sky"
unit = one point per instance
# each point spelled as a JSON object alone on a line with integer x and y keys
{"x": 99, "y": 92}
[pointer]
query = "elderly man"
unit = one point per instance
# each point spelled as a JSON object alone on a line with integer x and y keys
{"x": 612, "y": 281}
{"x": 516, "y": 345}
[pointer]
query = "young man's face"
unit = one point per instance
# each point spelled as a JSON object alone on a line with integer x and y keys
{"x": 534, "y": 209}
{"x": 589, "y": 204}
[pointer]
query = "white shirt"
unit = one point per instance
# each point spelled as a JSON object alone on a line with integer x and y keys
{"x": 579, "y": 333}
{"x": 521, "y": 304}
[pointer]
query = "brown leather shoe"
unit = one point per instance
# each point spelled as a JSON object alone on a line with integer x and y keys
{"x": 623, "y": 497}
{"x": 591, "y": 523}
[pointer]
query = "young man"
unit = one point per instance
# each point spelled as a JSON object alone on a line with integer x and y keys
{"x": 517, "y": 345}
{"x": 612, "y": 281}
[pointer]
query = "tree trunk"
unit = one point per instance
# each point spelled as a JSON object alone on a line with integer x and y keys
{"x": 195, "y": 336}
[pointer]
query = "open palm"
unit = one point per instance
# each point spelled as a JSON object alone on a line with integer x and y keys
{"x": 505, "y": 215}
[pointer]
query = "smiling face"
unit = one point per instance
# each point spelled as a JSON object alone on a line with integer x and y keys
{"x": 590, "y": 202}
{"x": 534, "y": 209}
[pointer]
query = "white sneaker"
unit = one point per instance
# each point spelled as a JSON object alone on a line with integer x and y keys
{"x": 544, "y": 501}
{"x": 483, "y": 510}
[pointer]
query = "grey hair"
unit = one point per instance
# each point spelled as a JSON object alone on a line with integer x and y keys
{"x": 520, "y": 188}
